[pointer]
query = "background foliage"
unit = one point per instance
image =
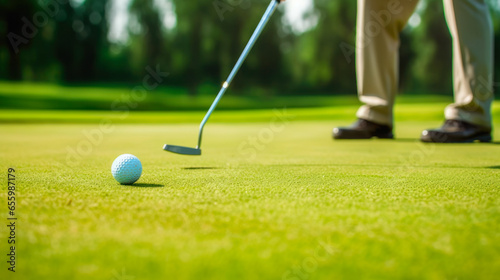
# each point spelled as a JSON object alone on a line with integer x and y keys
{"x": 73, "y": 46}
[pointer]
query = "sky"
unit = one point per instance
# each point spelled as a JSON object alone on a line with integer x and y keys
{"x": 119, "y": 18}
{"x": 295, "y": 11}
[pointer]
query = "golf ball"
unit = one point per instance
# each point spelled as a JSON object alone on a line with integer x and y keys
{"x": 126, "y": 169}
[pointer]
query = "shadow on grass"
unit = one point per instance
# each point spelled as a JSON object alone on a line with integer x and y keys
{"x": 381, "y": 165}
{"x": 417, "y": 140}
{"x": 407, "y": 140}
{"x": 199, "y": 168}
{"x": 142, "y": 185}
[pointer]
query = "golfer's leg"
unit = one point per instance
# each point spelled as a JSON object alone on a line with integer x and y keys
{"x": 470, "y": 26}
{"x": 379, "y": 23}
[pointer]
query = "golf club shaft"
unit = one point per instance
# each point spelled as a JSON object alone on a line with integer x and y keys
{"x": 265, "y": 19}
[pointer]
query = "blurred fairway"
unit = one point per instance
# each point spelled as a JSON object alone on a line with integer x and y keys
{"x": 36, "y": 96}
{"x": 49, "y": 103}
{"x": 104, "y": 98}
{"x": 272, "y": 197}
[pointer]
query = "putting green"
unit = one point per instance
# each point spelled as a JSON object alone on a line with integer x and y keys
{"x": 275, "y": 199}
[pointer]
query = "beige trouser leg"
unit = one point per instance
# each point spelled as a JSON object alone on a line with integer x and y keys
{"x": 470, "y": 26}
{"x": 379, "y": 23}
{"x": 378, "y": 28}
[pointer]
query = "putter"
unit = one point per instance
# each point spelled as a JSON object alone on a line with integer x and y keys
{"x": 197, "y": 151}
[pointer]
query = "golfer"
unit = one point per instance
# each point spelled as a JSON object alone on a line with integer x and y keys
{"x": 379, "y": 24}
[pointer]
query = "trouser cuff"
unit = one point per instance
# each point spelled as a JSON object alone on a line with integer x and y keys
{"x": 377, "y": 116}
{"x": 452, "y": 112}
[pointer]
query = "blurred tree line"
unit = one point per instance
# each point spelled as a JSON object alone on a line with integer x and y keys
{"x": 67, "y": 41}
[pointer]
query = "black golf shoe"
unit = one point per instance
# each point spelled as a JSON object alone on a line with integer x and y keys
{"x": 455, "y": 131}
{"x": 363, "y": 129}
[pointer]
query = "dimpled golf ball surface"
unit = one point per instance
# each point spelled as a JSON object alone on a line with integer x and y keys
{"x": 126, "y": 169}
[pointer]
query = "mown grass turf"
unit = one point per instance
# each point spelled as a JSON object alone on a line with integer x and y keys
{"x": 275, "y": 199}
{"x": 403, "y": 112}
{"x": 36, "y": 96}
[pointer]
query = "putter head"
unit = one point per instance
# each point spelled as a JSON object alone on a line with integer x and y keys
{"x": 182, "y": 150}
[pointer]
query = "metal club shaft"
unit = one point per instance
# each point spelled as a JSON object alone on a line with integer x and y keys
{"x": 265, "y": 19}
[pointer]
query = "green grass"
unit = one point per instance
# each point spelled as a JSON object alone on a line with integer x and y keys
{"x": 34, "y": 96}
{"x": 296, "y": 205}
{"x": 403, "y": 112}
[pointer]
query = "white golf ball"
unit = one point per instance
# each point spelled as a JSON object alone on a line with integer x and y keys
{"x": 126, "y": 169}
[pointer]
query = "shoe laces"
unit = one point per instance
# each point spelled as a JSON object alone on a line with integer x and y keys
{"x": 456, "y": 124}
{"x": 363, "y": 123}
